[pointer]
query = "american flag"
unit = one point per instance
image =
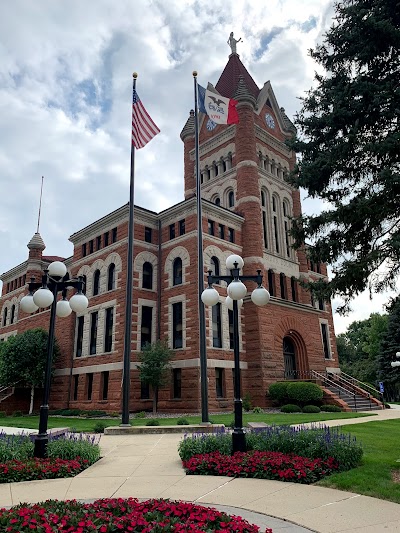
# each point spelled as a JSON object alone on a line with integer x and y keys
{"x": 143, "y": 128}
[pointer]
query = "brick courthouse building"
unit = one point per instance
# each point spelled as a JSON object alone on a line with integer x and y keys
{"x": 247, "y": 207}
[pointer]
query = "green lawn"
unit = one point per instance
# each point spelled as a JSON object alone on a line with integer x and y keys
{"x": 380, "y": 441}
{"x": 87, "y": 424}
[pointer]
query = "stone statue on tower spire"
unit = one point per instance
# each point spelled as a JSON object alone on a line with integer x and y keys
{"x": 232, "y": 42}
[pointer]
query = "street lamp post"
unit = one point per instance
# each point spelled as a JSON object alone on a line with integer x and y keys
{"x": 46, "y": 291}
{"x": 393, "y": 364}
{"x": 236, "y": 292}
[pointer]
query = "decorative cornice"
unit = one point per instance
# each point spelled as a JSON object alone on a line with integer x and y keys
{"x": 266, "y": 137}
{"x": 226, "y": 135}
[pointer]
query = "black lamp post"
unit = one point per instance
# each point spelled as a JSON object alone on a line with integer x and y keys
{"x": 46, "y": 291}
{"x": 236, "y": 292}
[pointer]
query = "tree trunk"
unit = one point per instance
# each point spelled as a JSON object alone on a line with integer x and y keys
{"x": 32, "y": 398}
{"x": 155, "y": 398}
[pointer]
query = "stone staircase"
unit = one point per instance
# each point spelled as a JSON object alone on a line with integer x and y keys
{"x": 355, "y": 401}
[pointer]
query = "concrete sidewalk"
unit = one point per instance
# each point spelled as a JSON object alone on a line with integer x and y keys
{"x": 148, "y": 466}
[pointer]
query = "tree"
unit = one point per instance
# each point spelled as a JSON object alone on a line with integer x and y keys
{"x": 155, "y": 367}
{"x": 348, "y": 141}
{"x": 389, "y": 346}
{"x": 359, "y": 347}
{"x": 23, "y": 359}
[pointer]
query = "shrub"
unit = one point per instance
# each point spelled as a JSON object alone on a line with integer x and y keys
{"x": 153, "y": 422}
{"x": 70, "y": 412}
{"x": 290, "y": 408}
{"x": 311, "y": 409}
{"x": 140, "y": 414}
{"x": 246, "y": 402}
{"x": 3, "y": 414}
{"x": 99, "y": 427}
{"x": 278, "y": 391}
{"x": 95, "y": 413}
{"x": 205, "y": 443}
{"x": 302, "y": 392}
{"x": 72, "y": 445}
{"x": 329, "y": 408}
{"x": 182, "y": 421}
{"x": 258, "y": 410}
{"x": 17, "y": 413}
{"x": 18, "y": 447}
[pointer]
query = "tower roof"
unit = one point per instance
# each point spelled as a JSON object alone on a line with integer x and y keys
{"x": 229, "y": 79}
{"x": 36, "y": 243}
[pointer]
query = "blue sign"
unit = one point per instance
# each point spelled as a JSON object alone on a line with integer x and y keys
{"x": 381, "y": 387}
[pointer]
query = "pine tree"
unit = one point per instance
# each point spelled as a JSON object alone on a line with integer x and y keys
{"x": 348, "y": 139}
{"x": 389, "y": 347}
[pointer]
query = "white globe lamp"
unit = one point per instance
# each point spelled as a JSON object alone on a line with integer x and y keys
{"x": 229, "y": 303}
{"x": 79, "y": 303}
{"x": 237, "y": 290}
{"x": 210, "y": 296}
{"x": 57, "y": 269}
{"x": 43, "y": 297}
{"x": 63, "y": 308}
{"x": 260, "y": 296}
{"x": 28, "y": 305}
{"x": 232, "y": 259}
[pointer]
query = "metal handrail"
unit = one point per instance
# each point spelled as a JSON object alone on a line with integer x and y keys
{"x": 2, "y": 389}
{"x": 364, "y": 385}
{"x": 324, "y": 378}
{"x": 349, "y": 383}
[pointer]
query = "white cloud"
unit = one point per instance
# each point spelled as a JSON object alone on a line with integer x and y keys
{"x": 65, "y": 97}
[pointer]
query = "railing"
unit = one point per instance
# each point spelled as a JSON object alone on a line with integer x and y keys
{"x": 375, "y": 393}
{"x": 352, "y": 387}
{"x": 341, "y": 391}
{"x": 3, "y": 389}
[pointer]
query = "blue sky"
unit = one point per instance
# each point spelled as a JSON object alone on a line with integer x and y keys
{"x": 65, "y": 101}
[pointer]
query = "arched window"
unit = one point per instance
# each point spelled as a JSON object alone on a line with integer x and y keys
{"x": 224, "y": 167}
{"x": 289, "y": 356}
{"x": 286, "y": 214}
{"x": 5, "y": 316}
{"x": 282, "y": 282}
{"x": 215, "y": 266}
{"x": 231, "y": 199}
{"x": 275, "y": 221}
{"x": 271, "y": 285}
{"x": 177, "y": 271}
{"x": 111, "y": 277}
{"x": 264, "y": 214}
{"x": 96, "y": 282}
{"x": 84, "y": 284}
{"x": 216, "y": 169}
{"x": 218, "y": 201}
{"x": 12, "y": 318}
{"x": 293, "y": 285}
{"x": 147, "y": 275}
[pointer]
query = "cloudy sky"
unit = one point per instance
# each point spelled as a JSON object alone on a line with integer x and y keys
{"x": 65, "y": 101}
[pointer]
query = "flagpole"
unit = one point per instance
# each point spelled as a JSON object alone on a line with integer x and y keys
{"x": 126, "y": 376}
{"x": 200, "y": 268}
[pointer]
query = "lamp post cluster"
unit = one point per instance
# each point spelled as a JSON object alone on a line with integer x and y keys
{"x": 393, "y": 364}
{"x": 44, "y": 294}
{"x": 237, "y": 290}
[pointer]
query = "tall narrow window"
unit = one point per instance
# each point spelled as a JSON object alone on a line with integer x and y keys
{"x": 325, "y": 340}
{"x": 219, "y": 382}
{"x": 285, "y": 206}
{"x": 218, "y": 201}
{"x": 264, "y": 218}
{"x": 182, "y": 227}
{"x": 211, "y": 227}
{"x": 215, "y": 266}
{"x": 105, "y": 378}
{"x": 84, "y": 284}
{"x": 147, "y": 275}
{"x": 172, "y": 231}
{"x": 177, "y": 325}
{"x": 5, "y": 312}
{"x": 76, "y": 385}
{"x": 114, "y": 234}
{"x": 276, "y": 235}
{"x": 231, "y": 235}
{"x": 108, "y": 334}
{"x": 79, "y": 335}
{"x": 12, "y": 317}
{"x": 321, "y": 306}
{"x": 271, "y": 285}
{"x": 106, "y": 238}
{"x": 230, "y": 318}
{"x": 177, "y": 271}
{"x": 177, "y": 383}
{"x": 96, "y": 282}
{"x": 84, "y": 253}
{"x": 147, "y": 234}
{"x": 93, "y": 332}
{"x": 89, "y": 386}
{"x": 98, "y": 242}
{"x": 146, "y": 326}
{"x": 282, "y": 282}
{"x": 293, "y": 285}
{"x": 221, "y": 231}
{"x": 91, "y": 246}
{"x": 111, "y": 277}
{"x": 217, "y": 326}
{"x": 231, "y": 199}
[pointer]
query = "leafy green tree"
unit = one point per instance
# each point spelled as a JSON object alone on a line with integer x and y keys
{"x": 348, "y": 139}
{"x": 155, "y": 367}
{"x": 389, "y": 347}
{"x": 359, "y": 347}
{"x": 23, "y": 359}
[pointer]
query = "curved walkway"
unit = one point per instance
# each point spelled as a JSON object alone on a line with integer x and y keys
{"x": 148, "y": 466}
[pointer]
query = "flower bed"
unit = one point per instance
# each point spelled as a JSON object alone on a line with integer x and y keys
{"x": 111, "y": 515}
{"x": 265, "y": 465}
{"x": 50, "y": 468}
